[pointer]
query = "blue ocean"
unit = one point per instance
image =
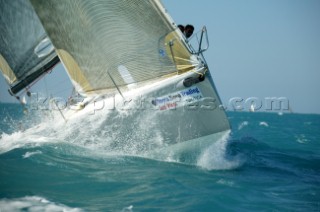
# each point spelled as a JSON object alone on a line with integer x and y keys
{"x": 268, "y": 162}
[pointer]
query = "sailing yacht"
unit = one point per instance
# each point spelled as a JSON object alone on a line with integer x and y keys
{"x": 121, "y": 55}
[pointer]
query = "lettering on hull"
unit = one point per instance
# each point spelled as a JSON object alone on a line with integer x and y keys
{"x": 178, "y": 99}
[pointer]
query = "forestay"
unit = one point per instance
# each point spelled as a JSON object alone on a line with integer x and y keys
{"x": 25, "y": 51}
{"x": 111, "y": 43}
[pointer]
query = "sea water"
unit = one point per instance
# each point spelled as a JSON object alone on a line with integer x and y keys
{"x": 268, "y": 162}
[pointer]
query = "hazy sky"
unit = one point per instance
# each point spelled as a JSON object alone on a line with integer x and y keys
{"x": 258, "y": 48}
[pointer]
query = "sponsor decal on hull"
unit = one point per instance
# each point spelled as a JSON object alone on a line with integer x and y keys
{"x": 178, "y": 99}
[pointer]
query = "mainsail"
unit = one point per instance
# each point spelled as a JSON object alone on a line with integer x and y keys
{"x": 25, "y": 51}
{"x": 105, "y": 44}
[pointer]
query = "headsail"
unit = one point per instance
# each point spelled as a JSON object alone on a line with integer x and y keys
{"x": 25, "y": 51}
{"x": 109, "y": 43}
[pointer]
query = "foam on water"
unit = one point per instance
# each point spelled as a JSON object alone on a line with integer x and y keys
{"x": 29, "y": 154}
{"x": 301, "y": 138}
{"x": 108, "y": 132}
{"x": 263, "y": 123}
{"x": 34, "y": 204}
{"x": 21, "y": 140}
{"x": 225, "y": 182}
{"x": 127, "y": 209}
{"x": 243, "y": 124}
{"x": 215, "y": 157}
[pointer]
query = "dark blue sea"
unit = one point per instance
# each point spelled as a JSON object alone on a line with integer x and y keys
{"x": 268, "y": 162}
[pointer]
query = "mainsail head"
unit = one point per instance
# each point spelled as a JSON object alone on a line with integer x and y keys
{"x": 104, "y": 44}
{"x": 25, "y": 50}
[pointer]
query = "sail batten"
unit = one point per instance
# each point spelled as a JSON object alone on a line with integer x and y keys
{"x": 101, "y": 36}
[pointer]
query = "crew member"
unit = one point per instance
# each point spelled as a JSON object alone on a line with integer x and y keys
{"x": 186, "y": 30}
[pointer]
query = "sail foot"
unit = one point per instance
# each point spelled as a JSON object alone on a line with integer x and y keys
{"x": 32, "y": 77}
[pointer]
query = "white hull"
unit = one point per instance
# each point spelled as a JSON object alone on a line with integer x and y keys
{"x": 157, "y": 116}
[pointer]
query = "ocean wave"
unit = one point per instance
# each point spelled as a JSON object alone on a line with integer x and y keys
{"x": 105, "y": 133}
{"x": 20, "y": 139}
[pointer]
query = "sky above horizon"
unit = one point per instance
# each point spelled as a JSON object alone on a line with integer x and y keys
{"x": 257, "y": 49}
{"x": 260, "y": 48}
